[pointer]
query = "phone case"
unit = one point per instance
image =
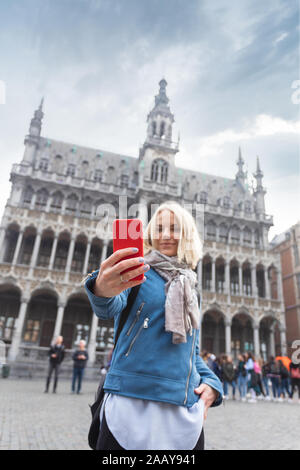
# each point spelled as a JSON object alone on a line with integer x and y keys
{"x": 129, "y": 233}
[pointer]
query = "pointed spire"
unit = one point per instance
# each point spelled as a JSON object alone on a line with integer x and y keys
{"x": 36, "y": 121}
{"x": 241, "y": 175}
{"x": 258, "y": 176}
{"x": 41, "y": 104}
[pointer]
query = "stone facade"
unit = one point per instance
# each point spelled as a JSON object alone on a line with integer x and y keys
{"x": 50, "y": 238}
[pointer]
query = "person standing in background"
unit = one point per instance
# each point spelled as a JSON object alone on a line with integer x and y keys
{"x": 56, "y": 356}
{"x": 80, "y": 358}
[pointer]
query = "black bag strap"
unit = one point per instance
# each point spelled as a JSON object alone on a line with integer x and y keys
{"x": 125, "y": 313}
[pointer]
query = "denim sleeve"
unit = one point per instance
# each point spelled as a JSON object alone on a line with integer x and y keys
{"x": 208, "y": 376}
{"x": 105, "y": 307}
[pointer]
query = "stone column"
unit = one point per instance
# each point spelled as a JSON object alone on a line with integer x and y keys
{"x": 92, "y": 341}
{"x": 18, "y": 246}
{"x": 241, "y": 279}
{"x": 253, "y": 281}
{"x": 32, "y": 204}
{"x": 69, "y": 258}
{"x": 19, "y": 324}
{"x": 86, "y": 258}
{"x": 59, "y": 319}
{"x": 228, "y": 336}
{"x": 35, "y": 251}
{"x": 272, "y": 351}
{"x": 256, "y": 340}
{"x": 283, "y": 340}
{"x": 53, "y": 252}
{"x": 213, "y": 275}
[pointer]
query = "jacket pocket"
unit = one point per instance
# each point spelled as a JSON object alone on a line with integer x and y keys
{"x": 136, "y": 319}
{"x": 144, "y": 326}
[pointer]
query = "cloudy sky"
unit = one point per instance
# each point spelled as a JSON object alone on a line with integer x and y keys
{"x": 230, "y": 67}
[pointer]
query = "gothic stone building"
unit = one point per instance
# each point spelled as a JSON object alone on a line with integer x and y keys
{"x": 49, "y": 240}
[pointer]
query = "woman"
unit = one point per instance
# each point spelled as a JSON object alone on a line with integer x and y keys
{"x": 274, "y": 375}
{"x": 229, "y": 376}
{"x": 156, "y": 378}
{"x": 252, "y": 380}
{"x": 242, "y": 377}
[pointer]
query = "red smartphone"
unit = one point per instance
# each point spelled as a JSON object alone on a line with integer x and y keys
{"x": 129, "y": 233}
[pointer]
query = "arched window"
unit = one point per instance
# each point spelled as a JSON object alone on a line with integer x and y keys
{"x": 223, "y": 232}
{"x": 71, "y": 169}
{"x": 162, "y": 128}
{"x": 153, "y": 128}
{"x": 211, "y": 230}
{"x": 235, "y": 234}
{"x": 159, "y": 171}
{"x": 71, "y": 205}
{"x": 28, "y": 195}
{"x": 247, "y": 235}
{"x": 248, "y": 206}
{"x": 86, "y": 206}
{"x": 44, "y": 164}
{"x": 57, "y": 200}
{"x": 41, "y": 197}
{"x": 98, "y": 174}
{"x": 226, "y": 202}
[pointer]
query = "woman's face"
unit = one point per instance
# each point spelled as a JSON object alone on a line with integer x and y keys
{"x": 167, "y": 232}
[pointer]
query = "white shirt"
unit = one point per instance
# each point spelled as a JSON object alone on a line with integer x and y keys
{"x": 139, "y": 424}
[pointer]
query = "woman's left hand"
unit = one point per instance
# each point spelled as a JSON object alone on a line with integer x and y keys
{"x": 208, "y": 395}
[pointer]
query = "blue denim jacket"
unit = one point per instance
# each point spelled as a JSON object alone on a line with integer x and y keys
{"x": 145, "y": 363}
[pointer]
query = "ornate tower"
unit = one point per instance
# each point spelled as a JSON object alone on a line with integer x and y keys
{"x": 157, "y": 154}
{"x": 32, "y": 139}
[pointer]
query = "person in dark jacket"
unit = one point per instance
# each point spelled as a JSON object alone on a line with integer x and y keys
{"x": 229, "y": 376}
{"x": 295, "y": 378}
{"x": 80, "y": 358}
{"x": 56, "y": 356}
{"x": 284, "y": 379}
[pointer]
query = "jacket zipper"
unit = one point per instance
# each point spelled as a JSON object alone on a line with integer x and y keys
{"x": 136, "y": 318}
{"x": 144, "y": 325}
{"x": 190, "y": 371}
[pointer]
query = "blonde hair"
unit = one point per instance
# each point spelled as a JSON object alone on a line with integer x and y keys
{"x": 189, "y": 245}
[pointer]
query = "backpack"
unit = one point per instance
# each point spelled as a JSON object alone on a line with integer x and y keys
{"x": 96, "y": 406}
{"x": 295, "y": 372}
{"x": 274, "y": 369}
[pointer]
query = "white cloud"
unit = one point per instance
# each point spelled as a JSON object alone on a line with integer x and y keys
{"x": 263, "y": 125}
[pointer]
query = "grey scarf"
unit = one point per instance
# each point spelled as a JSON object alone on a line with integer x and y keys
{"x": 182, "y": 312}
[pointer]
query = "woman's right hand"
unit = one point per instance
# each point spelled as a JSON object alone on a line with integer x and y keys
{"x": 108, "y": 282}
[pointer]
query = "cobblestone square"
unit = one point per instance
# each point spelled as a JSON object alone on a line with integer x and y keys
{"x": 33, "y": 420}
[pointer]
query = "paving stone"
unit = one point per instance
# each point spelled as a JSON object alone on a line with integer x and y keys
{"x": 31, "y": 419}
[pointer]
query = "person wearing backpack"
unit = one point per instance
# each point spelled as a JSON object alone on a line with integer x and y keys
{"x": 284, "y": 380}
{"x": 295, "y": 379}
{"x": 229, "y": 375}
{"x": 156, "y": 377}
{"x": 274, "y": 376}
